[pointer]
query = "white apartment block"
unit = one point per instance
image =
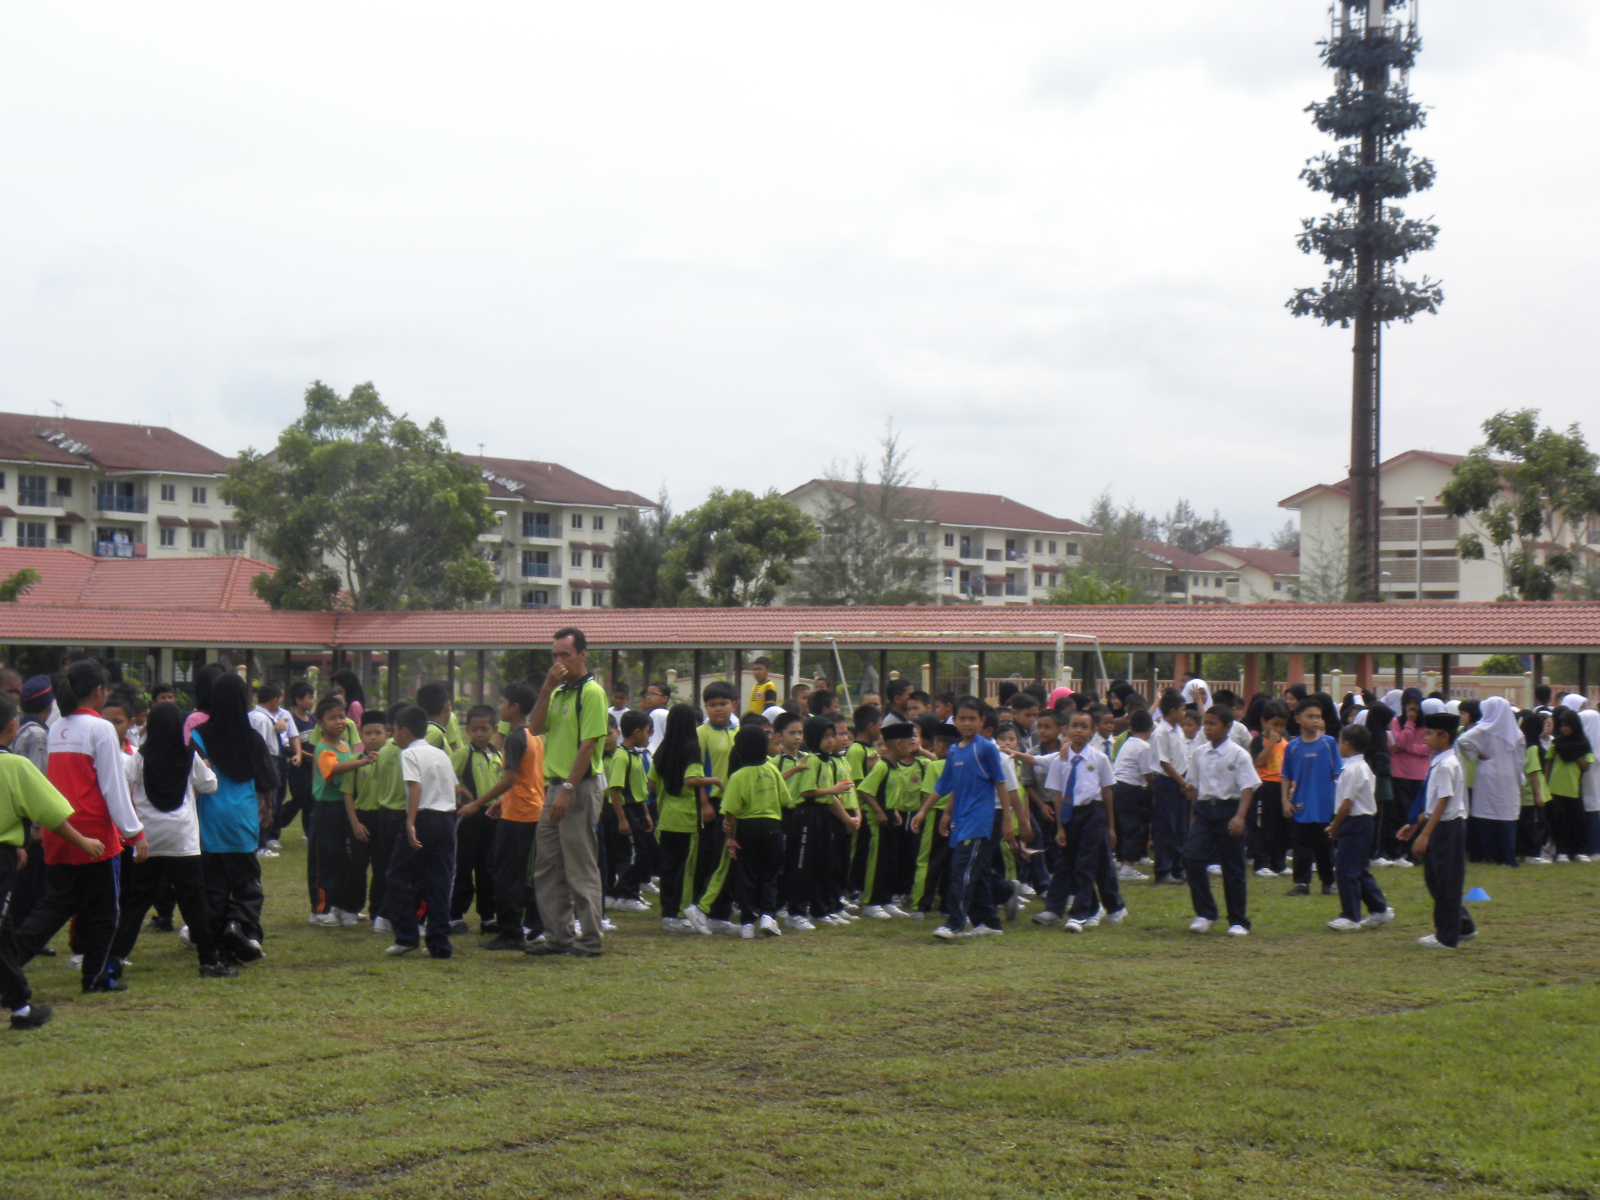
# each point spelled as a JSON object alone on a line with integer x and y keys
{"x": 554, "y": 532}
{"x": 112, "y": 490}
{"x": 1417, "y": 554}
{"x": 988, "y": 549}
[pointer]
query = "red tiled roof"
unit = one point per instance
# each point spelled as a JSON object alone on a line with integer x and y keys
{"x": 548, "y": 483}
{"x": 1342, "y": 488}
{"x": 1178, "y": 559}
{"x": 111, "y": 445}
{"x": 1273, "y": 562}
{"x": 978, "y": 510}
{"x": 68, "y": 578}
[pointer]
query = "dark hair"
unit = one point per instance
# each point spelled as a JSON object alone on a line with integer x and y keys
{"x": 481, "y": 712}
{"x": 75, "y": 685}
{"x": 297, "y": 690}
{"x": 1541, "y": 695}
{"x": 1003, "y": 727}
{"x": 1221, "y": 712}
{"x": 966, "y": 704}
{"x": 522, "y": 695}
{"x": 432, "y": 697}
{"x": 895, "y": 689}
{"x": 579, "y": 642}
{"x": 632, "y": 722}
{"x": 1532, "y": 726}
{"x": 268, "y": 692}
{"x": 1097, "y": 711}
{"x": 118, "y": 700}
{"x": 168, "y": 759}
{"x": 821, "y": 700}
{"x": 1075, "y": 714}
{"x": 1140, "y": 721}
{"x": 749, "y": 748}
{"x": 1275, "y": 710}
{"x": 1570, "y": 743}
{"x": 157, "y": 688}
{"x": 620, "y": 685}
{"x": 1297, "y": 690}
{"x": 817, "y": 728}
{"x": 864, "y": 717}
{"x": 8, "y": 709}
{"x": 920, "y": 697}
{"x": 783, "y": 720}
{"x": 350, "y": 683}
{"x": 373, "y": 716}
{"x": 1050, "y": 714}
{"x": 1170, "y": 700}
{"x": 1226, "y": 696}
{"x": 413, "y": 720}
{"x": 1356, "y": 737}
{"x": 326, "y": 705}
{"x": 717, "y": 690}
{"x": 1471, "y": 708}
{"x": 1006, "y": 690}
{"x": 1307, "y": 705}
{"x": 1330, "y": 711}
{"x": 679, "y": 749}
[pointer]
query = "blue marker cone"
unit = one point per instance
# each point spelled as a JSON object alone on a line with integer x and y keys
{"x": 1475, "y": 894}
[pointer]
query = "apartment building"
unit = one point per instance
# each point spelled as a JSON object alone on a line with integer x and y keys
{"x": 1417, "y": 553}
{"x": 989, "y": 549}
{"x": 552, "y": 544}
{"x": 111, "y": 490}
{"x": 1256, "y": 576}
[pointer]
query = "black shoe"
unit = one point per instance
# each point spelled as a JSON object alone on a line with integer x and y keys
{"x": 488, "y": 928}
{"x": 1299, "y": 889}
{"x": 239, "y": 945}
{"x": 47, "y": 952}
{"x": 161, "y": 924}
{"x": 38, "y": 1014}
{"x": 440, "y": 951}
{"x": 544, "y": 949}
{"x": 459, "y": 928}
{"x": 582, "y": 952}
{"x": 218, "y": 970}
{"x": 503, "y": 942}
{"x": 107, "y": 985}
{"x": 1329, "y": 889}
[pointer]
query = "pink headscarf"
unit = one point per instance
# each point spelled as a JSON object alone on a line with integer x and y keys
{"x": 1061, "y": 693}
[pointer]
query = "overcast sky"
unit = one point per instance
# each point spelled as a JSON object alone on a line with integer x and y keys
{"x": 692, "y": 244}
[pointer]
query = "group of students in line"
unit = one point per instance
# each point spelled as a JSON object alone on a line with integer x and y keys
{"x": 787, "y": 817}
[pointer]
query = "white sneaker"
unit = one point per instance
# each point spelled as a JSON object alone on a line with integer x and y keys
{"x": 876, "y": 912}
{"x": 1343, "y": 924}
{"x": 1581, "y": 858}
{"x": 1072, "y": 927}
{"x": 723, "y": 927}
{"x": 274, "y": 844}
{"x": 1374, "y": 920}
{"x": 851, "y": 906}
{"x": 698, "y": 919}
{"x": 183, "y": 936}
{"x": 913, "y": 914}
{"x": 1403, "y": 862}
{"x": 894, "y": 910}
{"x": 1432, "y": 942}
{"x": 835, "y": 919}
{"x": 631, "y": 906}
{"x": 1379, "y": 862}
{"x": 265, "y": 853}
{"x": 327, "y": 920}
{"x": 769, "y": 928}
{"x": 1238, "y": 931}
{"x": 986, "y": 931}
{"x": 381, "y": 925}
{"x": 803, "y": 924}
{"x": 1118, "y": 917}
{"x": 1200, "y": 925}
{"x": 1214, "y": 869}
{"x": 396, "y": 950}
{"x": 1266, "y": 873}
{"x": 1287, "y": 871}
{"x": 1131, "y": 873}
{"x": 945, "y": 934}
{"x": 1026, "y": 890}
{"x": 1562, "y": 858}
{"x": 348, "y": 918}
{"x": 747, "y": 932}
{"x": 74, "y": 962}
{"x": 675, "y": 925}
{"x": 1046, "y": 917}
{"x": 651, "y": 888}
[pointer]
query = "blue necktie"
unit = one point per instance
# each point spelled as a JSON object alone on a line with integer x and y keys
{"x": 1072, "y": 781}
{"x": 1420, "y": 804}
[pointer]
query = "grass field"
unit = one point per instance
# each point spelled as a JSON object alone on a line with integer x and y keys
{"x": 1139, "y": 1061}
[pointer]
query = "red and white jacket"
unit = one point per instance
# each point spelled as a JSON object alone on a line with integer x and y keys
{"x": 86, "y": 768}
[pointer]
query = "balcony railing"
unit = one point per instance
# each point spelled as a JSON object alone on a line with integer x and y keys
{"x": 539, "y": 570}
{"x": 537, "y": 604}
{"x": 119, "y": 550}
{"x": 33, "y": 543}
{"x": 31, "y": 498}
{"x": 536, "y": 531}
{"x": 109, "y": 502}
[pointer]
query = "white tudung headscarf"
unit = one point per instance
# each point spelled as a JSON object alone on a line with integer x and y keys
{"x": 1431, "y": 705}
{"x": 1197, "y": 692}
{"x": 1573, "y": 700}
{"x": 1391, "y": 701}
{"x": 1499, "y": 723}
{"x": 1452, "y": 706}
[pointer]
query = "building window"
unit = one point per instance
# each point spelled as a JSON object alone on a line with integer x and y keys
{"x": 599, "y": 522}
{"x": 1038, "y": 545}
{"x": 577, "y": 598}
{"x": 599, "y": 600}
{"x": 577, "y": 558}
{"x": 232, "y": 541}
{"x": 63, "y": 533}
{"x": 2, "y": 480}
{"x": 169, "y": 492}
{"x": 577, "y": 520}
{"x": 922, "y": 539}
{"x": 991, "y": 556}
{"x": 624, "y": 524}
{"x": 966, "y": 547}
{"x": 535, "y": 524}
{"x": 197, "y": 539}
{"x": 169, "y": 537}
{"x": 33, "y": 491}
{"x": 197, "y": 495}
{"x": 949, "y": 540}
{"x": 1038, "y": 579}
{"x": 535, "y": 599}
{"x": 1277, "y": 585}
{"x": 903, "y": 537}
{"x": 64, "y": 485}
{"x": 597, "y": 561}
{"x": 33, "y": 534}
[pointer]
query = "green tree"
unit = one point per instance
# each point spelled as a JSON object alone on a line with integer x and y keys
{"x": 1187, "y": 529}
{"x": 637, "y": 555}
{"x": 356, "y": 498}
{"x": 875, "y": 544}
{"x": 1324, "y": 572}
{"x": 16, "y": 586}
{"x": 1531, "y": 490}
{"x": 737, "y": 549}
{"x": 1079, "y": 585}
{"x": 1114, "y": 556}
{"x": 1287, "y": 537}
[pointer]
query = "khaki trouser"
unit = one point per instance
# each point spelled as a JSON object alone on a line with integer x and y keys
{"x": 566, "y": 866}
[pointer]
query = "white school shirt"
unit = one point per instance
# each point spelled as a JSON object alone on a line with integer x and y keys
{"x": 1138, "y": 759}
{"x": 266, "y": 726}
{"x": 1497, "y": 786}
{"x": 429, "y": 766}
{"x": 658, "y": 728}
{"x": 1222, "y": 772}
{"x": 1358, "y": 785}
{"x": 1103, "y": 744}
{"x": 1238, "y": 733}
{"x": 1094, "y": 773}
{"x": 174, "y": 834}
{"x": 1446, "y": 778}
{"x": 1171, "y": 746}
{"x": 1010, "y": 769}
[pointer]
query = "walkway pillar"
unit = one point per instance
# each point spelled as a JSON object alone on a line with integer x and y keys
{"x": 1538, "y": 669}
{"x": 394, "y": 680}
{"x": 1444, "y": 674}
{"x": 1180, "y": 667}
{"x": 1316, "y": 672}
{"x": 1400, "y": 672}
{"x": 695, "y": 699}
{"x": 1364, "y": 669}
{"x": 1296, "y": 672}
{"x": 1150, "y": 678}
{"x": 1252, "y": 676}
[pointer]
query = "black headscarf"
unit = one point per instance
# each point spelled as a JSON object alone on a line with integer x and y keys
{"x": 168, "y": 759}
{"x": 1569, "y": 744}
{"x": 1409, "y": 697}
{"x": 204, "y": 680}
{"x": 233, "y": 747}
{"x": 1378, "y": 720}
{"x": 678, "y": 756}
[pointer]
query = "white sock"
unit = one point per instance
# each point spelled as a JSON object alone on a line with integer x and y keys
{"x": 23, "y": 1011}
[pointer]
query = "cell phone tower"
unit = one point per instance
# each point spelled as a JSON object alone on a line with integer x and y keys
{"x": 1370, "y": 49}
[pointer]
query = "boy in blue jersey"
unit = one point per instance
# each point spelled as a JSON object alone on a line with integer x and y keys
{"x": 974, "y": 779}
{"x": 1311, "y": 764}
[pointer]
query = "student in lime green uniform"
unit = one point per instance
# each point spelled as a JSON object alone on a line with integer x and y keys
{"x": 824, "y": 783}
{"x": 627, "y": 821}
{"x": 752, "y": 818}
{"x": 713, "y": 896}
{"x": 479, "y": 768}
{"x": 679, "y": 780}
{"x": 933, "y": 848}
{"x": 893, "y": 792}
{"x": 377, "y": 816}
{"x": 331, "y": 780}
{"x": 443, "y": 729}
{"x": 860, "y": 756}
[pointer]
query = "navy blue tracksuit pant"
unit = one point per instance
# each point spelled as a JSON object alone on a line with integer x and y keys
{"x": 1089, "y": 853}
{"x": 428, "y": 873}
{"x": 971, "y": 893}
{"x": 1356, "y": 884}
{"x": 1209, "y": 842}
{"x": 1169, "y": 817}
{"x": 1444, "y": 870}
